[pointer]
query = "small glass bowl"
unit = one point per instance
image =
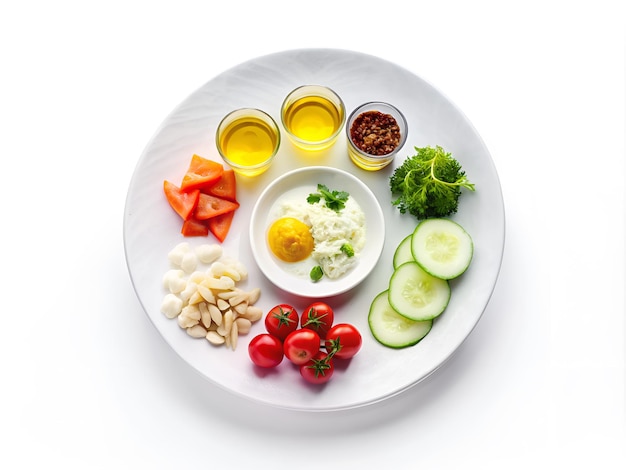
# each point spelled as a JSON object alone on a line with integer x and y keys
{"x": 248, "y": 139}
{"x": 371, "y": 161}
{"x": 313, "y": 116}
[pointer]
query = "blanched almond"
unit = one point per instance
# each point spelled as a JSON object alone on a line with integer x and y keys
{"x": 195, "y": 298}
{"x": 197, "y": 331}
{"x": 207, "y": 303}
{"x": 228, "y": 319}
{"x": 214, "y": 338}
{"x": 198, "y": 277}
{"x": 254, "y": 295}
{"x": 205, "y": 315}
{"x": 229, "y": 294}
{"x": 185, "y": 321}
{"x": 221, "y": 283}
{"x": 241, "y": 308}
{"x": 237, "y": 299}
{"x": 206, "y": 293}
{"x": 222, "y": 305}
{"x": 243, "y": 325}
{"x": 216, "y": 314}
{"x": 253, "y": 313}
{"x": 234, "y": 336}
{"x": 224, "y": 328}
{"x": 220, "y": 269}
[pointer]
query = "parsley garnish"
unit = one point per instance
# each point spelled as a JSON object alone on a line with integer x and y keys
{"x": 334, "y": 200}
{"x": 428, "y": 184}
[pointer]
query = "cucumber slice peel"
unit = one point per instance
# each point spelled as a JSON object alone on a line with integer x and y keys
{"x": 416, "y": 294}
{"x": 403, "y": 252}
{"x": 442, "y": 248}
{"x": 392, "y": 329}
{"x": 424, "y": 261}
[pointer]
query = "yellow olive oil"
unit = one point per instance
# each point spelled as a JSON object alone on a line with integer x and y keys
{"x": 312, "y": 118}
{"x": 248, "y": 141}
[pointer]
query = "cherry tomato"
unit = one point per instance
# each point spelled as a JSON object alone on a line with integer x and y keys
{"x": 301, "y": 345}
{"x": 266, "y": 350}
{"x": 344, "y": 339}
{"x": 319, "y": 369}
{"x": 318, "y": 317}
{"x": 281, "y": 320}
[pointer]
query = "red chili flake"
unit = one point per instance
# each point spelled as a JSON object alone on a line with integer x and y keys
{"x": 375, "y": 133}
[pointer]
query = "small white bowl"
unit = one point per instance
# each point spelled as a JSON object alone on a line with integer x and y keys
{"x": 299, "y": 184}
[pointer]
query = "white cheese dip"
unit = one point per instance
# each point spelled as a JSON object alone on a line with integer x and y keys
{"x": 330, "y": 231}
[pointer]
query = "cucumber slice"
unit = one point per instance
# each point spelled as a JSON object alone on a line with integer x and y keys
{"x": 403, "y": 252}
{"x": 442, "y": 248}
{"x": 417, "y": 295}
{"x": 392, "y": 329}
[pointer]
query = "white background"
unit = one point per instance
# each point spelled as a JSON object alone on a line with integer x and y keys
{"x": 89, "y": 383}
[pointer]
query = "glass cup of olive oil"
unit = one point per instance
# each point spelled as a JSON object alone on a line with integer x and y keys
{"x": 247, "y": 140}
{"x": 313, "y": 116}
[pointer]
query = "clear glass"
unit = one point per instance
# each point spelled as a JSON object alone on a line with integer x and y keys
{"x": 313, "y": 116}
{"x": 375, "y": 162}
{"x": 247, "y": 140}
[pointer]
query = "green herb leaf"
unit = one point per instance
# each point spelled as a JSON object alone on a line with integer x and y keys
{"x": 334, "y": 200}
{"x": 428, "y": 184}
{"x": 314, "y": 198}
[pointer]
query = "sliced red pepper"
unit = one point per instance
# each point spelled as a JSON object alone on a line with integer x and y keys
{"x": 211, "y": 206}
{"x": 220, "y": 225}
{"x": 225, "y": 187}
{"x": 183, "y": 202}
{"x": 201, "y": 172}
{"x": 195, "y": 228}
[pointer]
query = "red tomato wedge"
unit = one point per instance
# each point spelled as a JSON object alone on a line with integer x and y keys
{"x": 225, "y": 187}
{"x": 206, "y": 199}
{"x": 183, "y": 202}
{"x": 201, "y": 172}
{"x": 220, "y": 225}
{"x": 211, "y": 206}
{"x": 195, "y": 228}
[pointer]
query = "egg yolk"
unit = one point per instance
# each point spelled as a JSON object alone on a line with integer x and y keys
{"x": 290, "y": 240}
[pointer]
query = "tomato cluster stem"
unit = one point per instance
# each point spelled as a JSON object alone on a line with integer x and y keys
{"x": 335, "y": 347}
{"x": 320, "y": 366}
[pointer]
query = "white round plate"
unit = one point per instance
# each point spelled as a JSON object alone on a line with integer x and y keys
{"x": 299, "y": 184}
{"x": 152, "y": 229}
